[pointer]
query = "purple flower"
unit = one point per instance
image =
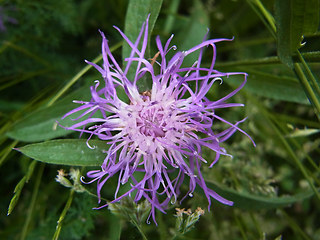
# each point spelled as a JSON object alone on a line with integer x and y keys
{"x": 156, "y": 138}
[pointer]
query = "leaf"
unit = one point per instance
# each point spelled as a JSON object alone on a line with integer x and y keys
{"x": 72, "y": 152}
{"x": 294, "y": 18}
{"x": 249, "y": 201}
{"x": 42, "y": 124}
{"x": 271, "y": 86}
{"x": 193, "y": 32}
{"x": 303, "y": 132}
{"x": 137, "y": 13}
{"x": 19, "y": 187}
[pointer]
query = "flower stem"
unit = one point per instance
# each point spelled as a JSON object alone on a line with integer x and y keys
{"x": 5, "y": 152}
{"x": 308, "y": 89}
{"x": 62, "y": 216}
{"x": 264, "y": 15}
{"x": 138, "y": 226}
{"x": 308, "y": 70}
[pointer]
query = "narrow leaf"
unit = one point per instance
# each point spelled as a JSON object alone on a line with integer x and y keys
{"x": 282, "y": 16}
{"x": 303, "y": 132}
{"x": 249, "y": 201}
{"x": 294, "y": 18}
{"x": 193, "y": 32}
{"x": 137, "y": 13}
{"x": 271, "y": 86}
{"x": 62, "y": 216}
{"x": 42, "y": 124}
{"x": 72, "y": 152}
{"x": 19, "y": 187}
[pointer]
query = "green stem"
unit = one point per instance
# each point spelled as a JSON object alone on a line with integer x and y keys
{"x": 309, "y": 72}
{"x": 139, "y": 228}
{"x": 33, "y": 202}
{"x": 7, "y": 150}
{"x": 264, "y": 15}
{"x": 308, "y": 89}
{"x": 300, "y": 74}
{"x": 267, "y": 15}
{"x": 62, "y": 216}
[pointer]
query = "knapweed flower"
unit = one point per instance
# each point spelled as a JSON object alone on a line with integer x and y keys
{"x": 156, "y": 138}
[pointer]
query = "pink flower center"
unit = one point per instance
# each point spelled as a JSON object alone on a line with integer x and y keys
{"x": 151, "y": 121}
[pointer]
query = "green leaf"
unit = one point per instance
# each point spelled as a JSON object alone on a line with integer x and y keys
{"x": 137, "y": 13}
{"x": 303, "y": 132}
{"x": 19, "y": 187}
{"x": 271, "y": 86}
{"x": 309, "y": 13}
{"x": 193, "y": 32}
{"x": 294, "y": 18}
{"x": 249, "y": 201}
{"x": 72, "y": 152}
{"x": 42, "y": 124}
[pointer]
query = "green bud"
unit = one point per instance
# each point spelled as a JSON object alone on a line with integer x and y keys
{"x": 186, "y": 219}
{"x": 60, "y": 178}
{"x": 127, "y": 209}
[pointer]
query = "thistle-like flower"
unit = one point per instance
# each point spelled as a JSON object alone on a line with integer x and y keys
{"x": 156, "y": 138}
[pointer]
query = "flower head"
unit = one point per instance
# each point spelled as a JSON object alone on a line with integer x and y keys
{"x": 156, "y": 138}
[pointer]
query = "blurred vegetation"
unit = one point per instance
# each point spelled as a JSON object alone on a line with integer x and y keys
{"x": 275, "y": 186}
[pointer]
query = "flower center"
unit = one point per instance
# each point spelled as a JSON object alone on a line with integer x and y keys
{"x": 151, "y": 120}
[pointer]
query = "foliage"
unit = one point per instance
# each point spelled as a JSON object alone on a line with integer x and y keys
{"x": 275, "y": 186}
